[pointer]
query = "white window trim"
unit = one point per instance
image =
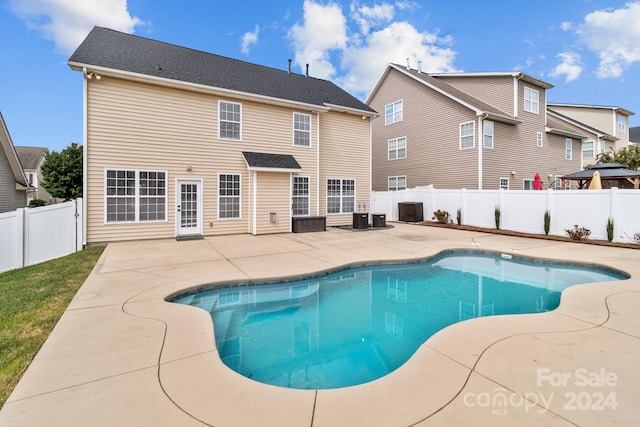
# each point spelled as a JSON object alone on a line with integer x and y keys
{"x": 393, "y": 114}
{"x": 309, "y": 131}
{"x": 500, "y": 183}
{"x": 530, "y": 181}
{"x": 485, "y": 135}
{"x": 355, "y": 195}
{"x": 293, "y": 178}
{"x": 396, "y": 149}
{"x": 220, "y": 101}
{"x": 473, "y": 133}
{"x": 530, "y": 99}
{"x": 539, "y": 139}
{"x": 621, "y": 123}
{"x": 136, "y": 196}
{"x": 396, "y": 178}
{"x": 568, "y": 149}
{"x": 593, "y": 149}
{"x": 218, "y": 197}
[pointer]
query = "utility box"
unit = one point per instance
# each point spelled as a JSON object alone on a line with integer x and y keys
{"x": 361, "y": 220}
{"x": 379, "y": 220}
{"x": 410, "y": 212}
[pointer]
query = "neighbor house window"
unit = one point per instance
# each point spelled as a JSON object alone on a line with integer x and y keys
{"x": 488, "y": 134}
{"x": 568, "y": 149}
{"x": 622, "y": 124}
{"x": 301, "y": 130}
{"x": 229, "y": 120}
{"x": 601, "y": 147}
{"x": 228, "y": 196}
{"x": 135, "y": 196}
{"x": 341, "y": 195}
{"x": 393, "y": 113}
{"x": 300, "y": 196}
{"x": 531, "y": 100}
{"x": 557, "y": 183}
{"x": 527, "y": 184}
{"x": 539, "y": 140}
{"x": 397, "y": 148}
{"x": 396, "y": 183}
{"x": 504, "y": 183}
{"x": 587, "y": 151}
{"x": 467, "y": 131}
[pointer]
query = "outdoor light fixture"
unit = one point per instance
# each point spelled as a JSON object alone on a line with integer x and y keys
{"x": 189, "y": 168}
{"x": 94, "y": 75}
{"x": 513, "y": 173}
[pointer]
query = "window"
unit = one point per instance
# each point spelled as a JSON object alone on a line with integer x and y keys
{"x": 397, "y": 148}
{"x": 135, "y": 196}
{"x": 488, "y": 134}
{"x": 300, "y": 201}
{"x": 531, "y": 100}
{"x": 228, "y": 196}
{"x": 504, "y": 183}
{"x": 397, "y": 290}
{"x": 467, "y": 131}
{"x": 539, "y": 140}
{"x": 568, "y": 150}
{"x": 557, "y": 183}
{"x": 587, "y": 151}
{"x": 393, "y": 113}
{"x": 301, "y": 130}
{"x": 229, "y": 120}
{"x": 527, "y": 184}
{"x": 622, "y": 124}
{"x": 600, "y": 146}
{"x": 397, "y": 183}
{"x": 341, "y": 195}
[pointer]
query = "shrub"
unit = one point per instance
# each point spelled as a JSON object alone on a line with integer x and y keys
{"x": 496, "y": 214}
{"x": 34, "y": 203}
{"x": 636, "y": 237}
{"x": 442, "y": 217}
{"x": 578, "y": 233}
{"x": 459, "y": 216}
{"x": 610, "y": 229}
{"x": 547, "y": 222}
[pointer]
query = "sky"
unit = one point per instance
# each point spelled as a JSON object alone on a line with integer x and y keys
{"x": 588, "y": 49}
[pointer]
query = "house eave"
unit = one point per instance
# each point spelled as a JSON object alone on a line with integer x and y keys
{"x": 566, "y": 133}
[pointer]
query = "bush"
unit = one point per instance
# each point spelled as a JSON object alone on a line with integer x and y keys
{"x": 636, "y": 237}
{"x": 496, "y": 214}
{"x": 34, "y": 203}
{"x": 547, "y": 222}
{"x": 442, "y": 217}
{"x": 610, "y": 229}
{"x": 459, "y": 216}
{"x": 578, "y": 233}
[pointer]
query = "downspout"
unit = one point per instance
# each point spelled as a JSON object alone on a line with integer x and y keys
{"x": 254, "y": 208}
{"x": 318, "y": 164}
{"x": 85, "y": 177}
{"x": 480, "y": 136}
{"x": 515, "y": 95}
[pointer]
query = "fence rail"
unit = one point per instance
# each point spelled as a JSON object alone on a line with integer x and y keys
{"x": 524, "y": 210}
{"x": 32, "y": 235}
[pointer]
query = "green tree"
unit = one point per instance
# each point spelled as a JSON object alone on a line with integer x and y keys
{"x": 62, "y": 172}
{"x": 627, "y": 156}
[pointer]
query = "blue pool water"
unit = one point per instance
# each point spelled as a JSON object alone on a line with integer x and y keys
{"x": 358, "y": 324}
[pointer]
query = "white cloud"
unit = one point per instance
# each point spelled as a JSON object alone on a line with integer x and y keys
{"x": 363, "y": 55}
{"x": 248, "y": 39}
{"x": 566, "y": 26}
{"x": 613, "y": 34}
{"x": 570, "y": 66}
{"x": 67, "y": 22}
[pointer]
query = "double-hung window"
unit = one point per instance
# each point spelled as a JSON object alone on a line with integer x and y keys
{"x": 487, "y": 134}
{"x": 397, "y": 183}
{"x": 504, "y": 183}
{"x": 341, "y": 195}
{"x": 622, "y": 124}
{"x": 527, "y": 184}
{"x": 568, "y": 149}
{"x": 467, "y": 131}
{"x": 228, "y": 196}
{"x": 539, "y": 140}
{"x": 300, "y": 196}
{"x": 588, "y": 153}
{"x": 393, "y": 113}
{"x": 229, "y": 120}
{"x": 135, "y": 196}
{"x": 301, "y": 130}
{"x": 397, "y": 148}
{"x": 531, "y": 100}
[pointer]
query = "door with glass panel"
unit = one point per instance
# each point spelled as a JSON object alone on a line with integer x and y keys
{"x": 189, "y": 207}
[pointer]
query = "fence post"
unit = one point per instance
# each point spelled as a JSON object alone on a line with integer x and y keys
{"x": 20, "y": 237}
{"x": 78, "y": 204}
{"x": 613, "y": 210}
{"x": 463, "y": 205}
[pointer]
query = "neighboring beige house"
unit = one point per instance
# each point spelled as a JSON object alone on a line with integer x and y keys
{"x": 467, "y": 130}
{"x": 13, "y": 182}
{"x": 607, "y": 126}
{"x": 180, "y": 142}
{"x": 32, "y": 159}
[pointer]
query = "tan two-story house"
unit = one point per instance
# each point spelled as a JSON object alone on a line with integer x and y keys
{"x": 180, "y": 142}
{"x": 466, "y": 130}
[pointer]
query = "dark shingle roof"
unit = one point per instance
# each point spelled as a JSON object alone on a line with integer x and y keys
{"x": 119, "y": 51}
{"x": 607, "y": 171}
{"x": 30, "y": 157}
{"x": 271, "y": 161}
{"x": 634, "y": 134}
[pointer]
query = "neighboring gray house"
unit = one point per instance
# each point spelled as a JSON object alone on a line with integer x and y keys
{"x": 467, "y": 130}
{"x": 634, "y": 135}
{"x": 32, "y": 159}
{"x": 13, "y": 182}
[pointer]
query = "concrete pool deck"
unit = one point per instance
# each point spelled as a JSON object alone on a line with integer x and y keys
{"x": 121, "y": 355}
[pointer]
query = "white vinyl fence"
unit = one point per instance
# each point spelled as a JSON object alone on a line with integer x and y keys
{"x": 524, "y": 210}
{"x": 32, "y": 235}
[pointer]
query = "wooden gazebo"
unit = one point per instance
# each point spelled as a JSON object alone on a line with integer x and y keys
{"x": 611, "y": 175}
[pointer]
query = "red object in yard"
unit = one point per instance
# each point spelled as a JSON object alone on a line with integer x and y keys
{"x": 537, "y": 182}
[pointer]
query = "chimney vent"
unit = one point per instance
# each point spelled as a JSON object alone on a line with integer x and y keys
{"x": 419, "y": 66}
{"x": 307, "y": 73}
{"x": 408, "y": 64}
{"x": 289, "y": 65}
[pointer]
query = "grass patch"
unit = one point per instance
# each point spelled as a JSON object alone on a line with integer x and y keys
{"x": 33, "y": 300}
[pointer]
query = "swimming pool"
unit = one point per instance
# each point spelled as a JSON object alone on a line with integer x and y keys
{"x": 358, "y": 324}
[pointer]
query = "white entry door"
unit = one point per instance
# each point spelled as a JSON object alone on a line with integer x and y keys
{"x": 188, "y": 207}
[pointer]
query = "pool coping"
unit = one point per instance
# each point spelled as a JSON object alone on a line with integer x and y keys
{"x": 165, "y": 372}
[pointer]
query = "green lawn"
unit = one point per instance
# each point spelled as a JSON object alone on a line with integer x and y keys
{"x": 32, "y": 299}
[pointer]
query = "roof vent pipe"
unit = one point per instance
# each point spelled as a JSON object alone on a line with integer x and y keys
{"x": 289, "y": 65}
{"x": 408, "y": 64}
{"x": 419, "y": 66}
{"x": 307, "y": 73}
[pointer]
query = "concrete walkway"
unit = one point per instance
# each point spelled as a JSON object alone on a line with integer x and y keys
{"x": 122, "y": 356}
